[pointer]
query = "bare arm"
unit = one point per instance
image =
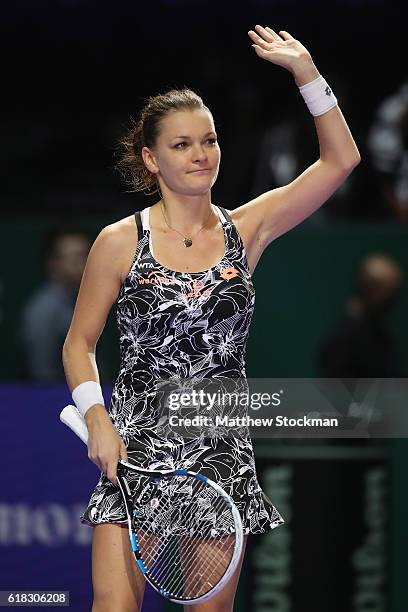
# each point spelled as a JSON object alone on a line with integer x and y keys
{"x": 99, "y": 289}
{"x": 275, "y": 212}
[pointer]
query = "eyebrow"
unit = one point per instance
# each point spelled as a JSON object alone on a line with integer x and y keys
{"x": 207, "y": 134}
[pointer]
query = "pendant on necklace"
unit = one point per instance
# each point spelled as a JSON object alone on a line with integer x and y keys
{"x": 187, "y": 242}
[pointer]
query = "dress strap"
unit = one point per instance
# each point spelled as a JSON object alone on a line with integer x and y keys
{"x": 140, "y": 237}
{"x": 234, "y": 240}
{"x": 139, "y": 224}
{"x": 225, "y": 214}
{"x": 146, "y": 218}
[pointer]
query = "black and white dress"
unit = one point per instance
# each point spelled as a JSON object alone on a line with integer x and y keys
{"x": 182, "y": 325}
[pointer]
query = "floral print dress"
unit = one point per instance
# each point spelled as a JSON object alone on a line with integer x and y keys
{"x": 182, "y": 326}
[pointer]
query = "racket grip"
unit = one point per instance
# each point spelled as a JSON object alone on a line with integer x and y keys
{"x": 75, "y": 421}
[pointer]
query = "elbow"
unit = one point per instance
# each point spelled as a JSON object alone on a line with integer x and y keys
{"x": 76, "y": 345}
{"x": 65, "y": 352}
{"x": 344, "y": 166}
{"x": 353, "y": 163}
{"x": 68, "y": 348}
{"x": 347, "y": 166}
{"x": 66, "y": 345}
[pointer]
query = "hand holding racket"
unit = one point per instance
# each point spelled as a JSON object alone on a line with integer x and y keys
{"x": 185, "y": 532}
{"x": 105, "y": 446}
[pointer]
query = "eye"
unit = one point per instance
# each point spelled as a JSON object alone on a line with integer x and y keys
{"x": 180, "y": 145}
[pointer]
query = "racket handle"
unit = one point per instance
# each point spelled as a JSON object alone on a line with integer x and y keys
{"x": 75, "y": 421}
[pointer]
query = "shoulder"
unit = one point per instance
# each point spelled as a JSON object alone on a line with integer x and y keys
{"x": 115, "y": 244}
{"x": 237, "y": 214}
{"x": 114, "y": 238}
{"x": 112, "y": 235}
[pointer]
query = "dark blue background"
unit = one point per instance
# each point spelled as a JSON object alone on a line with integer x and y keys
{"x": 47, "y": 481}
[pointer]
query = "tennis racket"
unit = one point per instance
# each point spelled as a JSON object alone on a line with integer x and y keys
{"x": 185, "y": 532}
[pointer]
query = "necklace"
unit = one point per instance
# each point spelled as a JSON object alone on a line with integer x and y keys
{"x": 186, "y": 241}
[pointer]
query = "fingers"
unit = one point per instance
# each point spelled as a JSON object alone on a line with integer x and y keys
{"x": 273, "y": 33}
{"x": 285, "y": 35}
{"x": 105, "y": 448}
{"x": 112, "y": 466}
{"x": 266, "y": 33}
{"x": 123, "y": 453}
{"x": 264, "y": 36}
{"x": 111, "y": 471}
{"x": 108, "y": 466}
{"x": 261, "y": 42}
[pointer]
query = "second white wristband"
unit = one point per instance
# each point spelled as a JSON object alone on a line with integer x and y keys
{"x": 86, "y": 395}
{"x": 318, "y": 96}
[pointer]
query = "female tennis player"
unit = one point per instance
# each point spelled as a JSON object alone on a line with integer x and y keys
{"x": 180, "y": 275}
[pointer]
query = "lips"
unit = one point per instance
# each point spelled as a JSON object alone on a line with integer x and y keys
{"x": 200, "y": 170}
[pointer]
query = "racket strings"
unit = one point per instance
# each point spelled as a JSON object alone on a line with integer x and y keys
{"x": 187, "y": 547}
{"x": 189, "y": 550}
{"x": 172, "y": 554}
{"x": 192, "y": 521}
{"x": 203, "y": 570}
{"x": 184, "y": 532}
{"x": 207, "y": 564}
{"x": 212, "y": 572}
{"x": 200, "y": 576}
{"x": 184, "y": 510}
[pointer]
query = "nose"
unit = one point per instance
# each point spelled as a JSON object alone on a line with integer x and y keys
{"x": 199, "y": 153}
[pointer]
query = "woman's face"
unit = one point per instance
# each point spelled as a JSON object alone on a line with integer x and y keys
{"x": 186, "y": 156}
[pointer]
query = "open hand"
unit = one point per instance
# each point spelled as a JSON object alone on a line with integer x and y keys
{"x": 281, "y": 49}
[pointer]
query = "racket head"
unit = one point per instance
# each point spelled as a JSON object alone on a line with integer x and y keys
{"x": 194, "y": 553}
{"x": 185, "y": 532}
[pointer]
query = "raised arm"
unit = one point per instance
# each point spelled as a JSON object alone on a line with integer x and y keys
{"x": 275, "y": 212}
{"x": 99, "y": 289}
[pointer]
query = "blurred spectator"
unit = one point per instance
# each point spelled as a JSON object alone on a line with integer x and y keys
{"x": 388, "y": 148}
{"x": 360, "y": 345}
{"x": 47, "y": 314}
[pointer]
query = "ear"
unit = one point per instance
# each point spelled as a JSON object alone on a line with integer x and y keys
{"x": 150, "y": 160}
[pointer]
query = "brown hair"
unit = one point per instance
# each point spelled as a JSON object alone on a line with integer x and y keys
{"x": 144, "y": 132}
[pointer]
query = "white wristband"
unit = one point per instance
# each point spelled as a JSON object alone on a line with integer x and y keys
{"x": 86, "y": 395}
{"x": 318, "y": 96}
